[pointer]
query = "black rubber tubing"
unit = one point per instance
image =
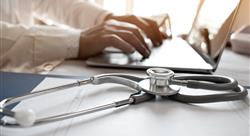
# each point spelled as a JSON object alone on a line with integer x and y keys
{"x": 209, "y": 82}
{"x": 237, "y": 93}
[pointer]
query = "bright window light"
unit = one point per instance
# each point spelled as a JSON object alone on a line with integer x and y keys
{"x": 180, "y": 11}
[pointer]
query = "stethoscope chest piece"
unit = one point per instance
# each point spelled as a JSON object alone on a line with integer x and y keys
{"x": 158, "y": 82}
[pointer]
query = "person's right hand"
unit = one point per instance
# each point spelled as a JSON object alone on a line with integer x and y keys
{"x": 96, "y": 39}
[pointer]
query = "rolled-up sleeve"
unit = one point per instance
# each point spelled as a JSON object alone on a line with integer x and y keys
{"x": 75, "y": 13}
{"x": 24, "y": 48}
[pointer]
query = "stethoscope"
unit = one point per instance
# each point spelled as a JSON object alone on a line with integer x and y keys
{"x": 158, "y": 82}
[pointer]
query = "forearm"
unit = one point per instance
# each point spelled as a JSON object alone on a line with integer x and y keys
{"x": 30, "y": 47}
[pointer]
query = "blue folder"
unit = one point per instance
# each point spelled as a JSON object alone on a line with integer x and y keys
{"x": 16, "y": 84}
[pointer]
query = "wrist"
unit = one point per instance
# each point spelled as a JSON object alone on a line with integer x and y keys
{"x": 81, "y": 48}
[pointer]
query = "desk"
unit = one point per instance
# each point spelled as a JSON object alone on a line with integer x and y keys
{"x": 159, "y": 117}
{"x": 231, "y": 64}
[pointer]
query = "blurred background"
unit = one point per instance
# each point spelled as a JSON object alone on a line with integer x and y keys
{"x": 181, "y": 12}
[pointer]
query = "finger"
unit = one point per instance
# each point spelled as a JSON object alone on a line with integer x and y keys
{"x": 155, "y": 28}
{"x": 164, "y": 35}
{"x": 140, "y": 23}
{"x": 130, "y": 38}
{"x": 135, "y": 31}
{"x": 117, "y": 42}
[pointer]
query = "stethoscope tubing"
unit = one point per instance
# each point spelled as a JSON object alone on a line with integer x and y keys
{"x": 234, "y": 91}
{"x": 208, "y": 82}
{"x": 238, "y": 93}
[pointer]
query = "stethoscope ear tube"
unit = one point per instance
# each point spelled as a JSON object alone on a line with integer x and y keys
{"x": 239, "y": 93}
{"x": 209, "y": 82}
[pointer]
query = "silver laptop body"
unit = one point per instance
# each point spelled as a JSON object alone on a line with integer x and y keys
{"x": 200, "y": 52}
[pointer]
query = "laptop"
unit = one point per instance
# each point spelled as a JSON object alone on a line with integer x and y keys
{"x": 199, "y": 52}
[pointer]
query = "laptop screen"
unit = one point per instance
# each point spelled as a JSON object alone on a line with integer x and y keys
{"x": 212, "y": 26}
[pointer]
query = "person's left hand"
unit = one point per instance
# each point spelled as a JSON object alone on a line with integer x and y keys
{"x": 148, "y": 26}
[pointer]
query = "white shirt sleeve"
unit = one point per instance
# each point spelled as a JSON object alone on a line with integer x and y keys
{"x": 75, "y": 13}
{"x": 29, "y": 48}
{"x": 24, "y": 48}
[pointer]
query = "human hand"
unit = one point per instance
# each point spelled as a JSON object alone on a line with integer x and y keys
{"x": 148, "y": 26}
{"x": 128, "y": 39}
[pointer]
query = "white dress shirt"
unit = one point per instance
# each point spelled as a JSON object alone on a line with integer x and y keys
{"x": 26, "y": 47}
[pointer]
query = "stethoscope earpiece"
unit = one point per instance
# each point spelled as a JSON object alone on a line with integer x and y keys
{"x": 25, "y": 118}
